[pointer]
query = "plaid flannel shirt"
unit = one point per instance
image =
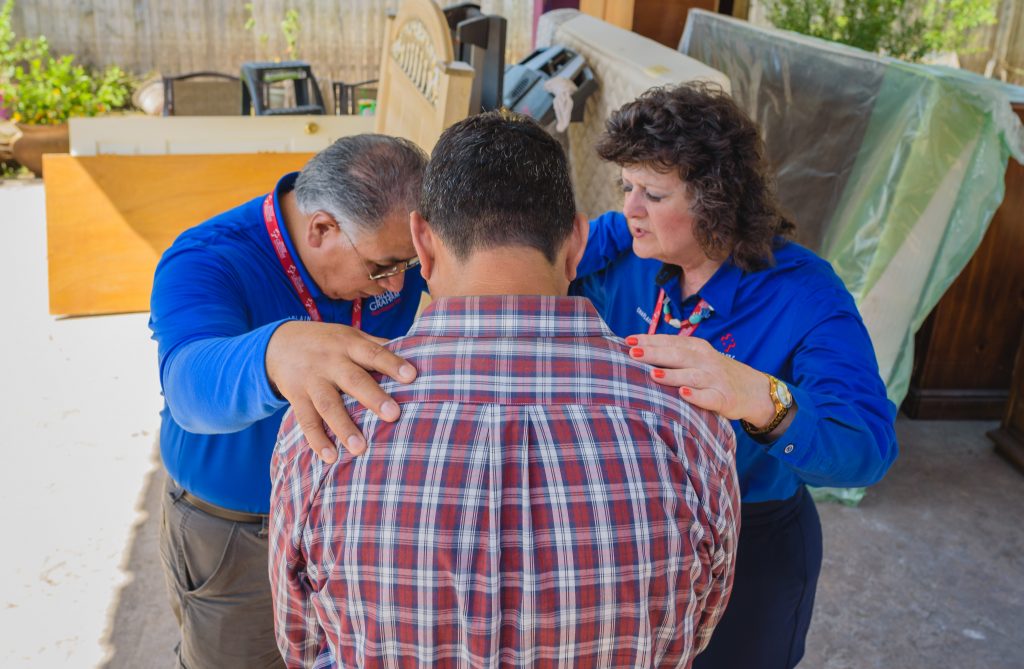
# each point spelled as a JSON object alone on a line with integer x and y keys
{"x": 540, "y": 502}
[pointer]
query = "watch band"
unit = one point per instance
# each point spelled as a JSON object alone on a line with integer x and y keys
{"x": 781, "y": 411}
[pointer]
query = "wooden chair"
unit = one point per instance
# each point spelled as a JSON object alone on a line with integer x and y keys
{"x": 422, "y": 88}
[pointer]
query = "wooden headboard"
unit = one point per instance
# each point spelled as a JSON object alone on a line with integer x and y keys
{"x": 422, "y": 89}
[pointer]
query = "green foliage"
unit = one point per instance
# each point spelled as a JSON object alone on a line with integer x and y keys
{"x": 907, "y": 29}
{"x": 39, "y": 87}
{"x": 290, "y": 28}
{"x": 12, "y": 170}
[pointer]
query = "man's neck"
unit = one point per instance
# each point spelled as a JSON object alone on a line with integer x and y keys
{"x": 294, "y": 220}
{"x": 514, "y": 271}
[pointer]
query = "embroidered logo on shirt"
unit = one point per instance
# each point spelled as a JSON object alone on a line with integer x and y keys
{"x": 641, "y": 314}
{"x": 381, "y": 303}
{"x": 728, "y": 342}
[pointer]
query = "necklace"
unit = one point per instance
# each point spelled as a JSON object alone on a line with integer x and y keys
{"x": 701, "y": 312}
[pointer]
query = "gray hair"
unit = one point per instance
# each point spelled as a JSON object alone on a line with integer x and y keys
{"x": 362, "y": 179}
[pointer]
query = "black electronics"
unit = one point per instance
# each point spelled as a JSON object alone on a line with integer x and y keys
{"x": 479, "y": 39}
{"x": 524, "y": 83}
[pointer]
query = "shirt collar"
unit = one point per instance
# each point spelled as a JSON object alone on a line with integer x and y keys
{"x": 506, "y": 316}
{"x": 284, "y": 185}
{"x": 719, "y": 291}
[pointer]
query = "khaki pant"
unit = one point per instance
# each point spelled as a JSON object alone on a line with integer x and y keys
{"x": 217, "y": 579}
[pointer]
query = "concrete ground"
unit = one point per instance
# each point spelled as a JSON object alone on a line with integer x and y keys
{"x": 927, "y": 572}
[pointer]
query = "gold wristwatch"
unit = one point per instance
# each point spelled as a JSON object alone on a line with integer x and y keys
{"x": 781, "y": 398}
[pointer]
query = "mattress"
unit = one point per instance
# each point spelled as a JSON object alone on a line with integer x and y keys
{"x": 625, "y": 65}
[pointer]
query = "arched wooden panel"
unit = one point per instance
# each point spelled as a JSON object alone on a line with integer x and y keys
{"x": 422, "y": 90}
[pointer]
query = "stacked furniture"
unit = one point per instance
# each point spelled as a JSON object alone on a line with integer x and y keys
{"x": 131, "y": 184}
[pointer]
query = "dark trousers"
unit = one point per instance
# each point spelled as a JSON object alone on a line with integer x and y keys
{"x": 217, "y": 578}
{"x": 777, "y": 565}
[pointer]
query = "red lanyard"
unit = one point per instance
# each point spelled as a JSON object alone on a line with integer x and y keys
{"x": 292, "y": 270}
{"x": 688, "y": 326}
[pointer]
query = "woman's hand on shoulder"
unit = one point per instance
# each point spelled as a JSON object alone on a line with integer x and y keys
{"x": 705, "y": 377}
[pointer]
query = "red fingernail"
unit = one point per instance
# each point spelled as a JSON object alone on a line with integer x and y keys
{"x": 686, "y": 391}
{"x": 659, "y": 373}
{"x": 632, "y": 341}
{"x": 636, "y": 352}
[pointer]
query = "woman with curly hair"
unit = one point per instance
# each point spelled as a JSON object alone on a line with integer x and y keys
{"x": 698, "y": 273}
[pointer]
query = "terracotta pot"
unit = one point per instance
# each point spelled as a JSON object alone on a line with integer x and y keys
{"x": 37, "y": 140}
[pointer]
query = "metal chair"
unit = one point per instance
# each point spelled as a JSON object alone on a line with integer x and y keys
{"x": 259, "y": 79}
{"x": 347, "y": 97}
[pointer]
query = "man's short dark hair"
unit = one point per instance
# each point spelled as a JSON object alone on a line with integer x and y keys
{"x": 363, "y": 179}
{"x": 498, "y": 179}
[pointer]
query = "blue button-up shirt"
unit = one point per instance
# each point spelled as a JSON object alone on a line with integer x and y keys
{"x": 219, "y": 294}
{"x": 794, "y": 320}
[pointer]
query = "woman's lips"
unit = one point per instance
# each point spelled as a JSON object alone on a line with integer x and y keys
{"x": 639, "y": 232}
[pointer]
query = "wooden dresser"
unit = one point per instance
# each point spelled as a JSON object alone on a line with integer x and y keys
{"x": 965, "y": 351}
{"x": 1009, "y": 437}
{"x": 660, "y": 20}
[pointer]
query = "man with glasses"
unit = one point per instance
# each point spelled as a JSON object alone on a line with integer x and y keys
{"x": 246, "y": 311}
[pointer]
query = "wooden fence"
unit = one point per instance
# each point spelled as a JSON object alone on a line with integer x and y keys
{"x": 340, "y": 38}
{"x": 1002, "y": 46}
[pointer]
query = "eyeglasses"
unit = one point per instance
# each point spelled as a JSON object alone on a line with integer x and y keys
{"x": 398, "y": 268}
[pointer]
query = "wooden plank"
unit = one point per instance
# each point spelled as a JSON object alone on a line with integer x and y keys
{"x": 663, "y": 20}
{"x": 595, "y": 8}
{"x": 211, "y": 134}
{"x": 621, "y": 13}
{"x": 109, "y": 218}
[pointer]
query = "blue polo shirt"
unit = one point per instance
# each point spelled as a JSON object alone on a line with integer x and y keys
{"x": 794, "y": 320}
{"x": 219, "y": 293}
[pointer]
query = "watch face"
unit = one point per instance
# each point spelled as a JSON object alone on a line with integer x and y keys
{"x": 783, "y": 394}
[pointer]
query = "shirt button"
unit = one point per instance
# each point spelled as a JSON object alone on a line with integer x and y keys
{"x": 788, "y": 449}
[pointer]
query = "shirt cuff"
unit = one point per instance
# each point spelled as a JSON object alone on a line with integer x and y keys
{"x": 795, "y": 446}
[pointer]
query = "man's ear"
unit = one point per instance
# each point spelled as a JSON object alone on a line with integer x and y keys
{"x": 576, "y": 245}
{"x": 320, "y": 225}
{"x": 424, "y": 242}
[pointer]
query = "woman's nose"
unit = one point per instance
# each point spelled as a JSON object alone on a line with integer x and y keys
{"x": 632, "y": 205}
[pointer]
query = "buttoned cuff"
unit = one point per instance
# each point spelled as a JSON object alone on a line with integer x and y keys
{"x": 795, "y": 446}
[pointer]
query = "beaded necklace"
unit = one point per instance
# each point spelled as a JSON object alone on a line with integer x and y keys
{"x": 701, "y": 312}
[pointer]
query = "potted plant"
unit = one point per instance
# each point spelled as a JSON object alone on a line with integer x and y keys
{"x": 39, "y": 91}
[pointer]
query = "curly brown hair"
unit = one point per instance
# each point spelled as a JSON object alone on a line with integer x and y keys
{"x": 697, "y": 130}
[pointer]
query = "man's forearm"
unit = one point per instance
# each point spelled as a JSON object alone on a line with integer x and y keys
{"x": 219, "y": 384}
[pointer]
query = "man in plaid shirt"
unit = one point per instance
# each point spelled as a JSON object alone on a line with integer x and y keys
{"x": 540, "y": 501}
